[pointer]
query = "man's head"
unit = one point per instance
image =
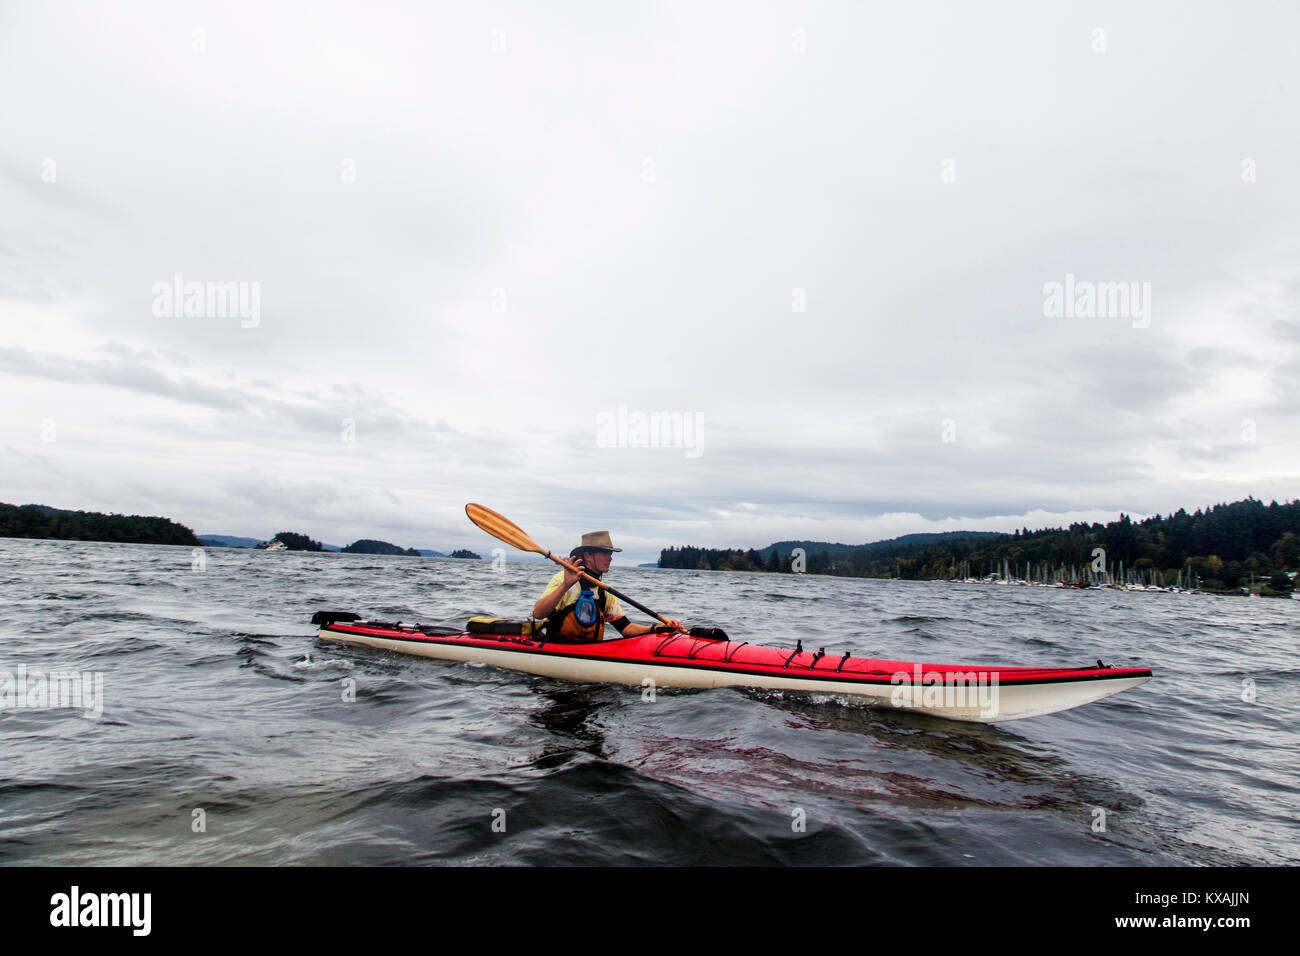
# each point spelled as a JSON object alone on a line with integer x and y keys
{"x": 596, "y": 551}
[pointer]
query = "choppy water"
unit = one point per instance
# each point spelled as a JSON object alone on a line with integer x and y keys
{"x": 217, "y": 697}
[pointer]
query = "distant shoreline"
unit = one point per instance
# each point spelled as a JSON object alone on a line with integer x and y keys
{"x": 1233, "y": 548}
{"x": 42, "y": 522}
{"x": 1240, "y": 548}
{"x": 201, "y": 545}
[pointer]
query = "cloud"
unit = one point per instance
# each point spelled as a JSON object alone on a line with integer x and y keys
{"x": 118, "y": 368}
{"x": 673, "y": 208}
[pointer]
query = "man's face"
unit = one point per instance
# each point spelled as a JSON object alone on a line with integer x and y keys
{"x": 599, "y": 561}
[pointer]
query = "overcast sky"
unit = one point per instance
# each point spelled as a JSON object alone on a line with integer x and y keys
{"x": 822, "y": 232}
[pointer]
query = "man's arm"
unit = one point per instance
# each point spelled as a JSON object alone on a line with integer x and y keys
{"x": 547, "y": 602}
{"x": 628, "y": 629}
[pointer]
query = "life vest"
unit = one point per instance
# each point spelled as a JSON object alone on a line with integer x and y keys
{"x": 567, "y": 623}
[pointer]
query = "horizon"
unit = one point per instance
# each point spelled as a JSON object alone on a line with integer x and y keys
{"x": 637, "y": 560}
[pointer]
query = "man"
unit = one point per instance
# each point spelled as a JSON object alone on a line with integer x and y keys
{"x": 576, "y": 610}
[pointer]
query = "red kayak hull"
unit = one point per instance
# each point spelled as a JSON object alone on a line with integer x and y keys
{"x": 961, "y": 692}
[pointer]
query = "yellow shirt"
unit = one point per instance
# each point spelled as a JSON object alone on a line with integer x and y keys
{"x": 612, "y": 609}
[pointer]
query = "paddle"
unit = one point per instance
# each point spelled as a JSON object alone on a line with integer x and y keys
{"x": 499, "y": 526}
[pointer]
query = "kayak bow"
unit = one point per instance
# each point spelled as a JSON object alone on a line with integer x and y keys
{"x": 981, "y": 694}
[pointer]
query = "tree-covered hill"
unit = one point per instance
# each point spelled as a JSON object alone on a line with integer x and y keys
{"x": 1224, "y": 545}
{"x": 42, "y": 521}
{"x": 298, "y": 542}
{"x": 819, "y": 556}
{"x": 886, "y": 546}
{"x": 370, "y": 546}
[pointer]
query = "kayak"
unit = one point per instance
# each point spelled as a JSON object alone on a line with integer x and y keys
{"x": 969, "y": 693}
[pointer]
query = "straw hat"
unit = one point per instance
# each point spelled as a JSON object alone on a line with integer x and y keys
{"x": 598, "y": 540}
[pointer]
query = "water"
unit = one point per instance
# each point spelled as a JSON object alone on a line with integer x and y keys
{"x": 225, "y": 737}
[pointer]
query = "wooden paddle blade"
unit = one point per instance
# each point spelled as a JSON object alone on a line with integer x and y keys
{"x": 499, "y": 526}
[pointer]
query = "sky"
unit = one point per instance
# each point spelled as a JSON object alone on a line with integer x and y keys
{"x": 880, "y": 268}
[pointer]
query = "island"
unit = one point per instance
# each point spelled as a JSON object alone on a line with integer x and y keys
{"x": 293, "y": 541}
{"x": 370, "y": 546}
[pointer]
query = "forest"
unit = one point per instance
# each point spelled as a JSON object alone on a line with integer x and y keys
{"x": 1223, "y": 545}
{"x": 371, "y": 546}
{"x": 42, "y": 521}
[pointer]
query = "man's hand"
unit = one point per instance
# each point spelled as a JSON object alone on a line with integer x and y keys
{"x": 571, "y": 578}
{"x": 547, "y": 604}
